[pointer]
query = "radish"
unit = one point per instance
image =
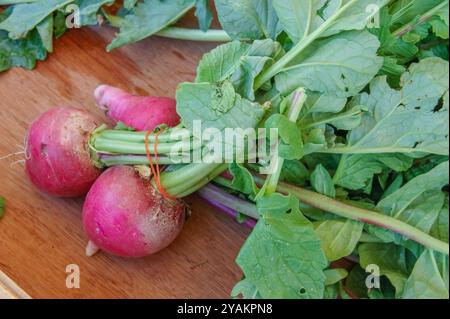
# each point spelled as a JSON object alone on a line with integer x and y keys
{"x": 143, "y": 113}
{"x": 58, "y": 160}
{"x": 126, "y": 216}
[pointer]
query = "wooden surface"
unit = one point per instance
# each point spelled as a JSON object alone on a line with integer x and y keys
{"x": 41, "y": 235}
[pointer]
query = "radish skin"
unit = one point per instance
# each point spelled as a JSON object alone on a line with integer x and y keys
{"x": 58, "y": 160}
{"x": 126, "y": 216}
{"x": 143, "y": 113}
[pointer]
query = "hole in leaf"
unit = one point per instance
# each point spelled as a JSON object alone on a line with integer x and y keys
{"x": 346, "y": 89}
{"x": 302, "y": 291}
{"x": 440, "y": 105}
{"x": 343, "y": 76}
{"x": 417, "y": 107}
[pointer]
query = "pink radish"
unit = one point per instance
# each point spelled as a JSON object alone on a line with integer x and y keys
{"x": 143, "y": 113}
{"x": 126, "y": 216}
{"x": 57, "y": 154}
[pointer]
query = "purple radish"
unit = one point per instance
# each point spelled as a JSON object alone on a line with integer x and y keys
{"x": 143, "y": 113}
{"x": 126, "y": 216}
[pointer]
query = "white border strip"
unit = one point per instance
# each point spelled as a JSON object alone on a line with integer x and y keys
{"x": 10, "y": 290}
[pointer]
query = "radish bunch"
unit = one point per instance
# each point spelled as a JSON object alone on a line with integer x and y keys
{"x": 124, "y": 214}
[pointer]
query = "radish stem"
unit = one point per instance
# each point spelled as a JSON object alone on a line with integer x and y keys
{"x": 180, "y": 33}
{"x": 423, "y": 19}
{"x": 363, "y": 215}
{"x": 113, "y": 160}
{"x": 216, "y": 194}
{"x": 339, "y": 208}
{"x": 194, "y": 34}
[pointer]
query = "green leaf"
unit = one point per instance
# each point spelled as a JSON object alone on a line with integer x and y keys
{"x": 291, "y": 146}
{"x": 404, "y": 121}
{"x": 406, "y": 11}
{"x": 395, "y": 186}
{"x": 322, "y": 181}
{"x": 420, "y": 201}
{"x": 348, "y": 119}
{"x": 294, "y": 172}
{"x": 282, "y": 256}
{"x": 59, "y": 23}
{"x": 248, "y": 19}
{"x": 89, "y": 9}
{"x": 331, "y": 292}
{"x": 148, "y": 18}
{"x": 45, "y": 30}
{"x": 220, "y": 63}
{"x": 204, "y": 14}
{"x": 261, "y": 54}
{"x": 339, "y": 238}
{"x": 427, "y": 278}
{"x": 425, "y": 165}
{"x": 245, "y": 289}
{"x": 129, "y": 4}
{"x": 355, "y": 283}
{"x": 239, "y": 62}
{"x": 301, "y": 18}
{"x": 334, "y": 276}
{"x": 20, "y": 53}
{"x": 321, "y": 103}
{"x": 440, "y": 28}
{"x": 386, "y": 290}
{"x": 441, "y": 226}
{"x": 444, "y": 14}
{"x": 341, "y": 65}
{"x": 392, "y": 260}
{"x": 25, "y": 17}
{"x": 194, "y": 102}
{"x": 243, "y": 180}
{"x": 357, "y": 171}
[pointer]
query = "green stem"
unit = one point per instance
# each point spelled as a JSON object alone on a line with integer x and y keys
{"x": 339, "y": 208}
{"x": 366, "y": 216}
{"x": 191, "y": 182}
{"x": 114, "y": 160}
{"x": 423, "y": 19}
{"x": 194, "y": 34}
{"x": 330, "y": 119}
{"x": 372, "y": 150}
{"x": 180, "y": 33}
{"x": 139, "y": 137}
{"x": 104, "y": 145}
{"x": 298, "y": 100}
{"x": 128, "y": 148}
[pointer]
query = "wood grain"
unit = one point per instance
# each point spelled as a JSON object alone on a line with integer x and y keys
{"x": 41, "y": 235}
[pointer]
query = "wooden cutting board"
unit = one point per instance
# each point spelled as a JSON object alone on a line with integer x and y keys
{"x": 40, "y": 236}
